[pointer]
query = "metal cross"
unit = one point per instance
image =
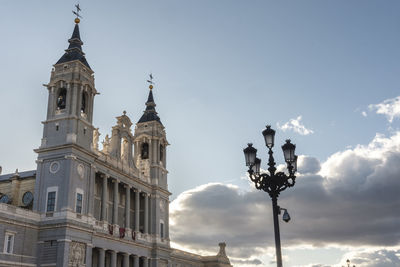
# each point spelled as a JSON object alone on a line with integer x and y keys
{"x": 77, "y": 11}
{"x": 151, "y": 79}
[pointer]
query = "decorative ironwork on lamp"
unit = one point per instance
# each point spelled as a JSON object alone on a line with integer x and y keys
{"x": 273, "y": 182}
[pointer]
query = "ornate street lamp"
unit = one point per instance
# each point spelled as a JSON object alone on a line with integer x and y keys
{"x": 273, "y": 182}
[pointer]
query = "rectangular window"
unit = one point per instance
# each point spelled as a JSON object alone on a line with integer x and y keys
{"x": 9, "y": 243}
{"x": 51, "y": 201}
{"x": 78, "y": 207}
{"x": 162, "y": 230}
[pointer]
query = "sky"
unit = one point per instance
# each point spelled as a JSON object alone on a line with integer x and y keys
{"x": 323, "y": 73}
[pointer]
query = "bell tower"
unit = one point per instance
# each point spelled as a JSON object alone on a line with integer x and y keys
{"x": 150, "y": 143}
{"x": 71, "y": 96}
{"x": 66, "y": 153}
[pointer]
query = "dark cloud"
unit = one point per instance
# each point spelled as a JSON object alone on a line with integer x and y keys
{"x": 247, "y": 262}
{"x": 308, "y": 165}
{"x": 353, "y": 200}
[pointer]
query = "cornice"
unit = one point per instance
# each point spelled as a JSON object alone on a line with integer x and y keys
{"x": 69, "y": 117}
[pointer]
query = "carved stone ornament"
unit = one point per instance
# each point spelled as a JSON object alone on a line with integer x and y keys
{"x": 162, "y": 205}
{"x": 80, "y": 170}
{"x": 106, "y": 144}
{"x": 77, "y": 254}
{"x": 96, "y": 135}
{"x": 222, "y": 252}
{"x": 54, "y": 167}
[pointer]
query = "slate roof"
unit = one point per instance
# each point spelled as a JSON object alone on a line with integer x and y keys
{"x": 74, "y": 51}
{"x": 22, "y": 175}
{"x": 150, "y": 114}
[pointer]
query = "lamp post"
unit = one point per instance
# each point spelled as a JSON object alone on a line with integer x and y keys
{"x": 273, "y": 182}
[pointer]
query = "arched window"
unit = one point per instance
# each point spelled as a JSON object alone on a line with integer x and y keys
{"x": 84, "y": 102}
{"x": 145, "y": 151}
{"x": 161, "y": 152}
{"x": 62, "y": 99}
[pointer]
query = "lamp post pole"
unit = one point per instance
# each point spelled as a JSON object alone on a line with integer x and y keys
{"x": 275, "y": 210}
{"x": 273, "y": 182}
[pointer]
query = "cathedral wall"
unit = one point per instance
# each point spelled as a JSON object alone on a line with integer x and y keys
{"x": 16, "y": 187}
{"x": 22, "y": 226}
{"x": 53, "y": 177}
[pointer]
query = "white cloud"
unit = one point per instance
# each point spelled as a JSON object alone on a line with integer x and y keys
{"x": 349, "y": 200}
{"x": 374, "y": 257}
{"x": 389, "y": 107}
{"x": 364, "y": 114}
{"x": 296, "y": 126}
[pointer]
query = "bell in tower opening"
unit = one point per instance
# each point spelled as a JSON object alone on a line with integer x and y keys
{"x": 145, "y": 151}
{"x": 83, "y": 102}
{"x": 61, "y": 99}
{"x": 161, "y": 152}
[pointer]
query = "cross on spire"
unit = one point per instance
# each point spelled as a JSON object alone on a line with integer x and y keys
{"x": 151, "y": 81}
{"x": 78, "y": 9}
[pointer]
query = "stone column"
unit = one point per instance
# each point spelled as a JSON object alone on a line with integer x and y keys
{"x": 145, "y": 262}
{"x": 90, "y": 101}
{"x": 137, "y": 207}
{"x": 102, "y": 257}
{"x": 126, "y": 260}
{"x": 90, "y": 194}
{"x": 89, "y": 252}
{"x": 74, "y": 98}
{"x": 127, "y": 206}
{"x": 167, "y": 219}
{"x": 165, "y": 157}
{"x": 51, "y": 103}
{"x": 115, "y": 207}
{"x": 146, "y": 213}
{"x": 136, "y": 152}
{"x": 113, "y": 258}
{"x": 104, "y": 197}
{"x": 63, "y": 250}
{"x": 135, "y": 261}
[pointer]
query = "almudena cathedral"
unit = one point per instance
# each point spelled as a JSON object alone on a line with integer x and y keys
{"x": 84, "y": 206}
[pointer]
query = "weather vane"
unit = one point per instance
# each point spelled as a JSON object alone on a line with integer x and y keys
{"x": 77, "y": 13}
{"x": 151, "y": 81}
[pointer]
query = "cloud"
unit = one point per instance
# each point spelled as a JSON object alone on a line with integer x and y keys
{"x": 374, "y": 258}
{"x": 246, "y": 262}
{"x": 313, "y": 265}
{"x": 351, "y": 199}
{"x": 389, "y": 107}
{"x": 308, "y": 164}
{"x": 296, "y": 126}
{"x": 364, "y": 114}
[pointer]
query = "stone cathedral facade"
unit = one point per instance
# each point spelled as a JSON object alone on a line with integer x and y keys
{"x": 84, "y": 206}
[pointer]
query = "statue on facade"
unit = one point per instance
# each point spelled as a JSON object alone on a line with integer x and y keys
{"x": 222, "y": 252}
{"x": 106, "y": 144}
{"x": 96, "y": 135}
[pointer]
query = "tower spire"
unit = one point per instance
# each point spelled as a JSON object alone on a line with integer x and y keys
{"x": 150, "y": 113}
{"x": 74, "y": 51}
